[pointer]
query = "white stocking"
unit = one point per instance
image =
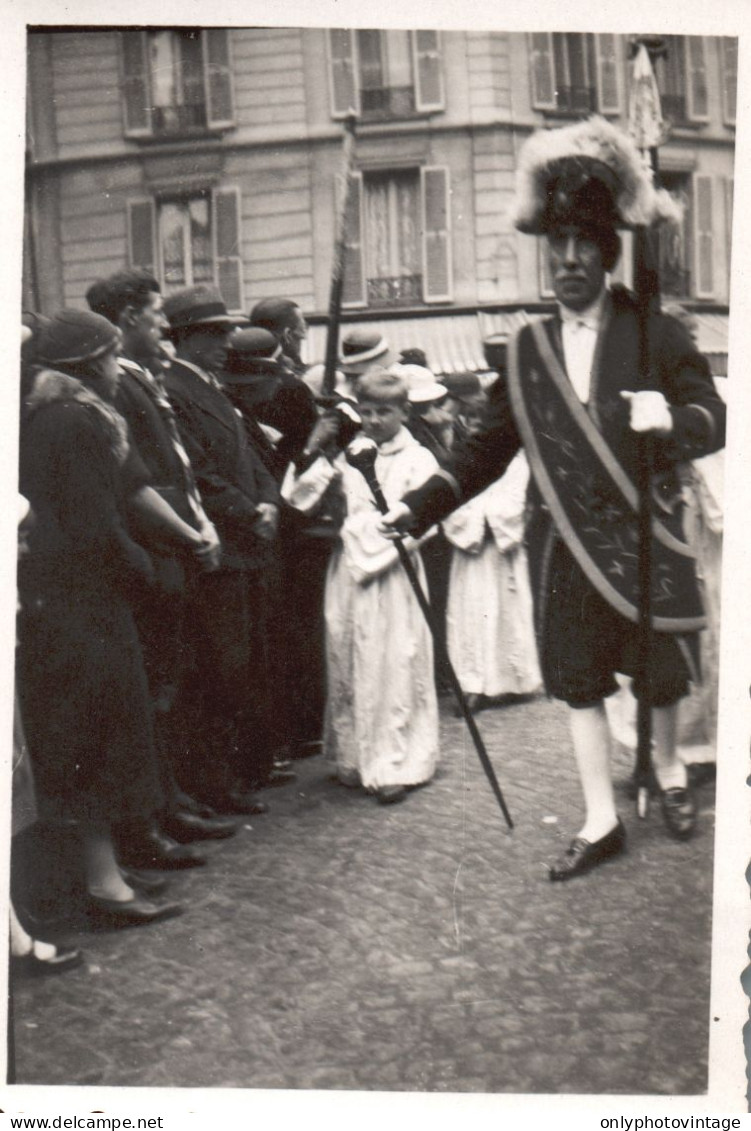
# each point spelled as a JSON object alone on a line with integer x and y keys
{"x": 669, "y": 770}
{"x": 591, "y": 738}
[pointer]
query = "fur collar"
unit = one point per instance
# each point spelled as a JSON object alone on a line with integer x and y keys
{"x": 50, "y": 386}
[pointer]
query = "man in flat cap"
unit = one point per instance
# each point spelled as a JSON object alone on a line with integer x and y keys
{"x": 574, "y": 399}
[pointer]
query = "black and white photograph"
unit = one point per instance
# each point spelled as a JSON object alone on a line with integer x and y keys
{"x": 372, "y": 427}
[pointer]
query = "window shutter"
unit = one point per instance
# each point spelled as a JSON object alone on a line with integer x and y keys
{"x": 136, "y": 83}
{"x": 729, "y": 186}
{"x": 436, "y": 245}
{"x": 608, "y": 74}
{"x": 698, "y": 103}
{"x": 218, "y": 72}
{"x": 542, "y": 72}
{"x": 142, "y": 235}
{"x": 353, "y": 285}
{"x": 426, "y": 52}
{"x": 228, "y": 264}
{"x": 703, "y": 236}
{"x": 729, "y": 78}
{"x": 344, "y": 91}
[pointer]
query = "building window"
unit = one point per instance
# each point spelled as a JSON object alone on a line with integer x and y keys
{"x": 176, "y": 81}
{"x": 384, "y": 74}
{"x": 186, "y": 240}
{"x": 675, "y": 241}
{"x": 687, "y": 252}
{"x": 682, "y": 79}
{"x": 574, "y": 74}
{"x": 398, "y": 239}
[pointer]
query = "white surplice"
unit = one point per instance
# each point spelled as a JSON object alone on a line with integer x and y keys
{"x": 382, "y": 711}
{"x": 489, "y": 615}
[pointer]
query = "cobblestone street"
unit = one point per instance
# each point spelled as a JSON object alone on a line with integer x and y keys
{"x": 338, "y": 944}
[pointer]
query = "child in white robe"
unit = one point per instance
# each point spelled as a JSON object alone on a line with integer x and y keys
{"x": 382, "y": 714}
{"x": 489, "y": 616}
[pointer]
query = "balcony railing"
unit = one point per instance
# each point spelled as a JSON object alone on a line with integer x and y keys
{"x": 387, "y": 102}
{"x": 398, "y": 290}
{"x": 576, "y": 99}
{"x": 179, "y": 119}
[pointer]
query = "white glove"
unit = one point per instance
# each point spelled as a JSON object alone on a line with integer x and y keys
{"x": 649, "y": 412}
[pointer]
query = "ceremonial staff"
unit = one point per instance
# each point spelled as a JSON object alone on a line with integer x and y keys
{"x": 361, "y": 454}
{"x": 647, "y": 128}
{"x": 337, "y": 272}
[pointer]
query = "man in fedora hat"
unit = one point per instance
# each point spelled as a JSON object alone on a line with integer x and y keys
{"x": 226, "y": 607}
{"x": 573, "y": 399}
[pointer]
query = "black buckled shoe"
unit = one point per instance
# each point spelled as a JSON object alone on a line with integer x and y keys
{"x": 583, "y": 855}
{"x": 679, "y": 812}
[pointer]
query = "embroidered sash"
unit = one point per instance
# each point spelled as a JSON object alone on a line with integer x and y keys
{"x": 591, "y": 499}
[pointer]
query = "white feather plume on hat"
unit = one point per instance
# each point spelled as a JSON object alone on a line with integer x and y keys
{"x": 637, "y": 201}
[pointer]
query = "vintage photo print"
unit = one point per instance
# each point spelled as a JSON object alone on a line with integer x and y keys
{"x": 375, "y": 560}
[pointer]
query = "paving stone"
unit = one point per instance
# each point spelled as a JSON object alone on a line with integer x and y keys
{"x": 341, "y": 945}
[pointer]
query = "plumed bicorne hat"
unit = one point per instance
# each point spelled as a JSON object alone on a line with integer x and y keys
{"x": 590, "y": 174}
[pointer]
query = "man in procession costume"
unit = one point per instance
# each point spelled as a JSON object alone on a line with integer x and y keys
{"x": 574, "y": 399}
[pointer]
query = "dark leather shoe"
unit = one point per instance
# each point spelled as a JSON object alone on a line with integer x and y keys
{"x": 679, "y": 812}
{"x": 391, "y": 794}
{"x": 32, "y": 966}
{"x": 238, "y": 801}
{"x": 144, "y": 881}
{"x": 187, "y": 804}
{"x": 184, "y": 827}
{"x": 133, "y": 913}
{"x": 282, "y": 774}
{"x": 155, "y": 850}
{"x": 582, "y": 855}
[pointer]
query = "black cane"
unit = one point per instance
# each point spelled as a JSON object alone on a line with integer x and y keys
{"x": 361, "y": 454}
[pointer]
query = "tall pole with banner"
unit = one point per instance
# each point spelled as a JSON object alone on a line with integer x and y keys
{"x": 647, "y": 128}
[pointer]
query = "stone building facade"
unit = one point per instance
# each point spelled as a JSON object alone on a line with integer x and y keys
{"x": 214, "y": 155}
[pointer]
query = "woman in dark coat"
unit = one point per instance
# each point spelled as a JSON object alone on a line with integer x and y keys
{"x": 81, "y": 676}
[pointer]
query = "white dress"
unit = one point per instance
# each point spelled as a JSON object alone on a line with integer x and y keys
{"x": 489, "y": 616}
{"x": 382, "y": 712}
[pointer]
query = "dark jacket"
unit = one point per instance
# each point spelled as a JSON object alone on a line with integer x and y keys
{"x": 679, "y": 371}
{"x": 230, "y": 475}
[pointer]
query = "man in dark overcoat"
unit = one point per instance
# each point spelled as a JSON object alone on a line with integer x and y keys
{"x": 227, "y": 608}
{"x": 574, "y": 399}
{"x": 132, "y": 301}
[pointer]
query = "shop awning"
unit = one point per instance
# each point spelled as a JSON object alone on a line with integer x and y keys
{"x": 453, "y": 342}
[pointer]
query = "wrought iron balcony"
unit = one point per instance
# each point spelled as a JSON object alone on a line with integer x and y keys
{"x": 387, "y": 102}
{"x": 397, "y": 290}
{"x": 576, "y": 99}
{"x": 179, "y": 119}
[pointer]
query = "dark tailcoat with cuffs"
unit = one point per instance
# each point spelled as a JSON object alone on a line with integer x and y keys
{"x": 559, "y": 585}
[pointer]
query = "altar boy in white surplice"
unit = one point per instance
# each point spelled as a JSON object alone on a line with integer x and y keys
{"x": 382, "y": 713}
